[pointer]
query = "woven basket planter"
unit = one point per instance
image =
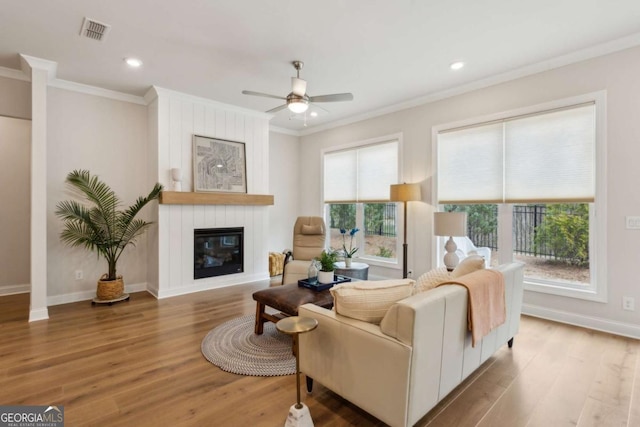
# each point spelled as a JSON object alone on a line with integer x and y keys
{"x": 110, "y": 289}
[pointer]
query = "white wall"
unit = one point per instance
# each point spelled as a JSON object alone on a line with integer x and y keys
{"x": 108, "y": 138}
{"x": 15, "y": 100}
{"x": 284, "y": 170}
{"x": 15, "y": 156}
{"x": 179, "y": 117}
{"x": 618, "y": 75}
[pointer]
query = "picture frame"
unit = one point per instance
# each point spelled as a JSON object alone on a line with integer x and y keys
{"x": 219, "y": 165}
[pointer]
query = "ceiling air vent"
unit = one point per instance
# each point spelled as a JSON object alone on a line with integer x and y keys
{"x": 94, "y": 30}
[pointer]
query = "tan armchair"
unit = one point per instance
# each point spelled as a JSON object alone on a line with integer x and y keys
{"x": 309, "y": 234}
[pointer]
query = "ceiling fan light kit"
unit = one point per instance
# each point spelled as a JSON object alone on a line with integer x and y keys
{"x": 298, "y": 100}
{"x": 297, "y": 104}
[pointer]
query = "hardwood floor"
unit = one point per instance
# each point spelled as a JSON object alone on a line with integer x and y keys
{"x": 139, "y": 363}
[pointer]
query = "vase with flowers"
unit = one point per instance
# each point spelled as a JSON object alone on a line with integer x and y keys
{"x": 348, "y": 253}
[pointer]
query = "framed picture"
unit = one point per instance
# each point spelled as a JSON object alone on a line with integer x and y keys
{"x": 219, "y": 165}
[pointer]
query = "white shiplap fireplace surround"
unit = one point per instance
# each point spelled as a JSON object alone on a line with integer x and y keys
{"x": 173, "y": 120}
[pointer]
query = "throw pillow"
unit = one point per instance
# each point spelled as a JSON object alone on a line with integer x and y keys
{"x": 432, "y": 278}
{"x": 468, "y": 265}
{"x": 311, "y": 229}
{"x": 369, "y": 300}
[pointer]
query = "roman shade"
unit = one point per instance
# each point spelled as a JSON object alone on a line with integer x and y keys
{"x": 539, "y": 158}
{"x": 361, "y": 174}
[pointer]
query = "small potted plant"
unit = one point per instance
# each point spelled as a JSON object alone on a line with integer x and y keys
{"x": 348, "y": 253}
{"x": 327, "y": 261}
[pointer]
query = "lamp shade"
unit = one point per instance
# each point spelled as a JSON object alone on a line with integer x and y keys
{"x": 404, "y": 192}
{"x": 450, "y": 223}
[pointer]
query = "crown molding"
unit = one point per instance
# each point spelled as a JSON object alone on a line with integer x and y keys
{"x": 284, "y": 131}
{"x": 528, "y": 70}
{"x": 11, "y": 73}
{"x": 97, "y": 91}
{"x": 151, "y": 95}
{"x": 29, "y": 63}
{"x": 216, "y": 104}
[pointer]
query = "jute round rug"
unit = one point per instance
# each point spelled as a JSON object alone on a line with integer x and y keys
{"x": 233, "y": 347}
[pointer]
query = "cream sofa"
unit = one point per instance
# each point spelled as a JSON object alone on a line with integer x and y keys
{"x": 398, "y": 380}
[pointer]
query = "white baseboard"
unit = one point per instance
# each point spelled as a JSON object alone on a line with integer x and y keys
{"x": 14, "y": 289}
{"x": 136, "y": 287}
{"x": 39, "y": 314}
{"x": 599, "y": 324}
{"x": 89, "y": 295}
{"x": 205, "y": 285}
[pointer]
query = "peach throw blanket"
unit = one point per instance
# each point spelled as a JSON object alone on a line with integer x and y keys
{"x": 486, "y": 308}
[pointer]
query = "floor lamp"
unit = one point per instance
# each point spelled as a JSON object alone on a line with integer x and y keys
{"x": 404, "y": 193}
{"x": 450, "y": 224}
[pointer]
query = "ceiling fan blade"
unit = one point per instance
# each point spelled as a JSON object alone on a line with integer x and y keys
{"x": 266, "y": 95}
{"x": 275, "y": 110}
{"x": 336, "y": 97}
{"x": 298, "y": 86}
{"x": 320, "y": 107}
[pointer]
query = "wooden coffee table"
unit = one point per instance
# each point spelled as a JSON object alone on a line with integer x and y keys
{"x": 286, "y": 299}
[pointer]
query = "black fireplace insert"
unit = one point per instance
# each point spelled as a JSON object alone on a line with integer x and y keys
{"x": 218, "y": 251}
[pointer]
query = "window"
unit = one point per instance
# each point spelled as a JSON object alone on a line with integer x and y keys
{"x": 532, "y": 183}
{"x": 356, "y": 195}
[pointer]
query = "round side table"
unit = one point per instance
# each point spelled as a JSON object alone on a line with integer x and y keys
{"x": 358, "y": 270}
{"x": 299, "y": 415}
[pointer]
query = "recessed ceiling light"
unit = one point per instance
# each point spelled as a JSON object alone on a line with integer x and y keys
{"x": 133, "y": 62}
{"x": 457, "y": 65}
{"x": 314, "y": 114}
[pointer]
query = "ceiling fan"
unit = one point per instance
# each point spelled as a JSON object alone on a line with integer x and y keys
{"x": 298, "y": 100}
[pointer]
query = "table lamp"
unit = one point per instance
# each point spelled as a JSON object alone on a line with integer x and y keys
{"x": 450, "y": 224}
{"x": 404, "y": 193}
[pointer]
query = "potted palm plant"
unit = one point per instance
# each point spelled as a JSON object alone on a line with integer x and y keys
{"x": 99, "y": 225}
{"x": 327, "y": 261}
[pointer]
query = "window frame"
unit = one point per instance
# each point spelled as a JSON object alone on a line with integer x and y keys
{"x": 395, "y": 263}
{"x": 597, "y": 289}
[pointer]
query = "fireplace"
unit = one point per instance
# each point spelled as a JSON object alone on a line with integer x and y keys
{"x": 218, "y": 251}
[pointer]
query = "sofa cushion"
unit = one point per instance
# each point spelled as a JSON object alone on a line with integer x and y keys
{"x": 432, "y": 278}
{"x": 369, "y": 300}
{"x": 468, "y": 265}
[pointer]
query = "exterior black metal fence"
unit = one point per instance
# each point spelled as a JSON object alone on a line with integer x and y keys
{"x": 526, "y": 220}
{"x": 380, "y": 220}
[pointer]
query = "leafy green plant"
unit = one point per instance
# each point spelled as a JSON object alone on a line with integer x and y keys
{"x": 481, "y": 218}
{"x": 384, "y": 252}
{"x": 565, "y": 229}
{"x": 328, "y": 260}
{"x": 99, "y": 225}
{"x": 342, "y": 215}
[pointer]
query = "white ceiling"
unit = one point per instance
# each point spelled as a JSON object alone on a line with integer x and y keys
{"x": 384, "y": 52}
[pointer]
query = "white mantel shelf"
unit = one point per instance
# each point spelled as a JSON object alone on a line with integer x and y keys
{"x": 238, "y": 199}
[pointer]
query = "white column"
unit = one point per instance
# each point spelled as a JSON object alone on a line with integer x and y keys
{"x": 40, "y": 71}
